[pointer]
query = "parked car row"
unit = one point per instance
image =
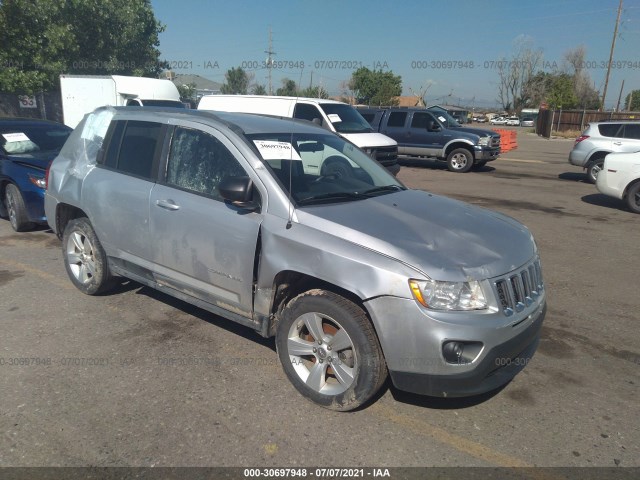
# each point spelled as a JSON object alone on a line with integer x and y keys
{"x": 609, "y": 152}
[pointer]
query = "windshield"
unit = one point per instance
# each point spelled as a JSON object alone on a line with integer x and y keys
{"x": 345, "y": 118}
{"x": 19, "y": 138}
{"x": 322, "y": 168}
{"x": 444, "y": 117}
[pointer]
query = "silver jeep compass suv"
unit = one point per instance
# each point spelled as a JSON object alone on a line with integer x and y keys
{"x": 288, "y": 229}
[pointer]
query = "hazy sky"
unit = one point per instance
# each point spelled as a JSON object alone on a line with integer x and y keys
{"x": 453, "y": 46}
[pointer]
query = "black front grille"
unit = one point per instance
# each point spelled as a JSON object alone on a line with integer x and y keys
{"x": 386, "y": 155}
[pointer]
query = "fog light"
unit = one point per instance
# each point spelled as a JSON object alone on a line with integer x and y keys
{"x": 461, "y": 353}
{"x": 452, "y": 352}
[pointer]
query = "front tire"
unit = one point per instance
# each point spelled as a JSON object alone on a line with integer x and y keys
{"x": 594, "y": 169}
{"x": 329, "y": 350}
{"x": 633, "y": 197}
{"x": 459, "y": 160}
{"x": 84, "y": 258}
{"x": 16, "y": 209}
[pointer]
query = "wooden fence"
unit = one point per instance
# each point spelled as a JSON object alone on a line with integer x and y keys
{"x": 550, "y": 121}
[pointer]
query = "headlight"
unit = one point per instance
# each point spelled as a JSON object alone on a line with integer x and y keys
{"x": 38, "y": 181}
{"x": 449, "y": 295}
{"x": 484, "y": 141}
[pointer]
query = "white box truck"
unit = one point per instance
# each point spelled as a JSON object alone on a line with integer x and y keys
{"x": 337, "y": 117}
{"x": 82, "y": 94}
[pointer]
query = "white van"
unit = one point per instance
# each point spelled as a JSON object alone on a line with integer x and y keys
{"x": 338, "y": 117}
{"x": 82, "y": 94}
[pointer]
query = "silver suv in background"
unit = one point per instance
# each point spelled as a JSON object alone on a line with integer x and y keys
{"x": 354, "y": 274}
{"x": 601, "y": 138}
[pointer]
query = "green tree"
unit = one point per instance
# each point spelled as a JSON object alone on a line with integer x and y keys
{"x": 314, "y": 92}
{"x": 375, "y": 87}
{"x": 288, "y": 89}
{"x": 41, "y": 39}
{"x": 259, "y": 89}
{"x": 236, "y": 82}
{"x": 632, "y": 101}
{"x": 562, "y": 93}
{"x": 187, "y": 92}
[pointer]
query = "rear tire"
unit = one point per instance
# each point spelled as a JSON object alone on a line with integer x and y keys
{"x": 329, "y": 350}
{"x": 84, "y": 258}
{"x": 594, "y": 169}
{"x": 459, "y": 160}
{"x": 16, "y": 209}
{"x": 633, "y": 197}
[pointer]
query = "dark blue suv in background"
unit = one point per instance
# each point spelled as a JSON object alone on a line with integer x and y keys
{"x": 27, "y": 147}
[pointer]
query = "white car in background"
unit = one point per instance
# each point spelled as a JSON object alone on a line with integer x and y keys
{"x": 498, "y": 121}
{"x": 513, "y": 121}
{"x": 620, "y": 178}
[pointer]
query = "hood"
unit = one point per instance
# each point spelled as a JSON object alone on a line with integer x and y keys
{"x": 368, "y": 140}
{"x": 445, "y": 239}
{"x": 481, "y": 132}
{"x": 38, "y": 160}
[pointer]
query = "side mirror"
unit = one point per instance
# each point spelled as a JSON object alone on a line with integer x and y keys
{"x": 238, "y": 191}
{"x": 434, "y": 128}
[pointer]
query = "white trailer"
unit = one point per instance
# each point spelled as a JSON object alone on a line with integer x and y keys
{"x": 82, "y": 94}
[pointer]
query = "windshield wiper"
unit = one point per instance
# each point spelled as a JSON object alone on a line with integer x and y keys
{"x": 382, "y": 189}
{"x": 340, "y": 196}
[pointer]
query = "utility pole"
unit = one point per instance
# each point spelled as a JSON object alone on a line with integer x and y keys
{"x": 613, "y": 46}
{"x": 620, "y": 97}
{"x": 270, "y": 52}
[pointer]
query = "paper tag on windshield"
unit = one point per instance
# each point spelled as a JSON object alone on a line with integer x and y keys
{"x": 442, "y": 119}
{"x": 15, "y": 137}
{"x": 271, "y": 150}
{"x": 334, "y": 118}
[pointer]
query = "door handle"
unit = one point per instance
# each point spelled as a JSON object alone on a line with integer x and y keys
{"x": 167, "y": 204}
{"x": 617, "y": 143}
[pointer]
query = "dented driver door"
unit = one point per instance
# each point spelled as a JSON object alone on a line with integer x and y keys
{"x": 202, "y": 246}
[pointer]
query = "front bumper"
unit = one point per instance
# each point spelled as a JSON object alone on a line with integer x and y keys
{"x": 412, "y": 340}
{"x": 486, "y": 154}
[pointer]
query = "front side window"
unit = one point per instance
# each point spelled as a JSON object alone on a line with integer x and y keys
{"x": 423, "y": 120}
{"x": 305, "y": 111}
{"x": 198, "y": 162}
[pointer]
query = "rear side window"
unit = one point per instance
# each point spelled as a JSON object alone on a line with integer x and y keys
{"x": 397, "y": 119}
{"x": 632, "y": 130}
{"x": 198, "y": 162}
{"x": 610, "y": 129}
{"x": 138, "y": 148}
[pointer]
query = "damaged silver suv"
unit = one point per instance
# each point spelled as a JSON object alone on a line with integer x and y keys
{"x": 294, "y": 232}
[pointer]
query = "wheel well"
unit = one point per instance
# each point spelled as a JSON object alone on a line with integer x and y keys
{"x": 3, "y": 185}
{"x": 454, "y": 146}
{"x": 289, "y": 284}
{"x": 595, "y": 157}
{"x": 64, "y": 214}
{"x": 631, "y": 184}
